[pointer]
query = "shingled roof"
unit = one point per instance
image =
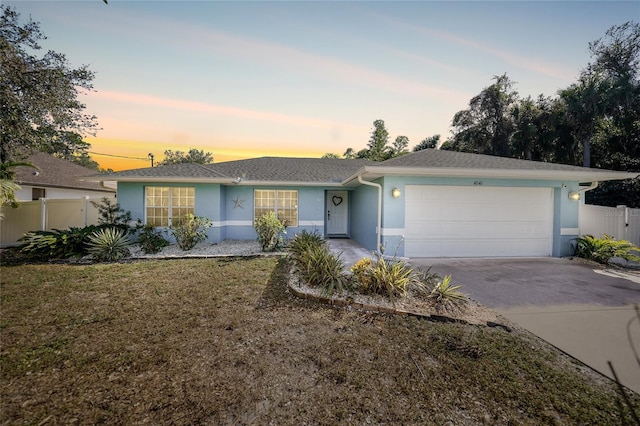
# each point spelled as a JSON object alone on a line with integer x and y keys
{"x": 436, "y": 162}
{"x": 283, "y": 169}
{"x": 57, "y": 173}
{"x": 265, "y": 169}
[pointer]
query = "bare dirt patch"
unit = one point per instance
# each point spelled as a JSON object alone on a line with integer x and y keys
{"x": 204, "y": 341}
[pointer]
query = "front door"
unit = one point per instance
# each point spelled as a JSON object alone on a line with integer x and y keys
{"x": 337, "y": 212}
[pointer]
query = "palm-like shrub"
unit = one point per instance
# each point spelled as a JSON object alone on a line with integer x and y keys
{"x": 321, "y": 268}
{"x": 190, "y": 230}
{"x": 390, "y": 278}
{"x": 109, "y": 244}
{"x": 302, "y": 242}
{"x": 603, "y": 249}
{"x": 445, "y": 292}
{"x": 270, "y": 230}
{"x": 57, "y": 244}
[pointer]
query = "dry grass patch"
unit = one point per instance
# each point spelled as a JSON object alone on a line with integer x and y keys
{"x": 224, "y": 342}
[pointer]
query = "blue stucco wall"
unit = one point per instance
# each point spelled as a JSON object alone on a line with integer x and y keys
{"x": 231, "y": 208}
{"x": 363, "y": 211}
{"x": 565, "y": 221}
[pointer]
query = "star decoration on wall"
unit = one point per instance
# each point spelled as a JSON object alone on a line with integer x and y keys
{"x": 238, "y": 203}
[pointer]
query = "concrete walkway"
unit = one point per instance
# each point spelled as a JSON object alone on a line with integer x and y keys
{"x": 349, "y": 250}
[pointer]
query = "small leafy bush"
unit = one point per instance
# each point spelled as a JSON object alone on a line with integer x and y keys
{"x": 151, "y": 240}
{"x": 270, "y": 230}
{"x": 109, "y": 244}
{"x": 361, "y": 272}
{"x": 190, "y": 230}
{"x": 444, "y": 292}
{"x": 302, "y": 242}
{"x": 57, "y": 244}
{"x": 323, "y": 269}
{"x": 603, "y": 249}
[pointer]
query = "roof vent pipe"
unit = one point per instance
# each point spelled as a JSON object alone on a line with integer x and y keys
{"x": 379, "y": 223}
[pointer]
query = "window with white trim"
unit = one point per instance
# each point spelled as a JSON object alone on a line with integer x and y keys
{"x": 283, "y": 202}
{"x": 165, "y": 205}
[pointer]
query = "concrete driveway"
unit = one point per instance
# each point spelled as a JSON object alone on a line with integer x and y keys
{"x": 587, "y": 312}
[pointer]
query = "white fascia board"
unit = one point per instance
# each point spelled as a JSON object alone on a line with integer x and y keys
{"x": 162, "y": 179}
{"x": 588, "y": 175}
{"x": 285, "y": 183}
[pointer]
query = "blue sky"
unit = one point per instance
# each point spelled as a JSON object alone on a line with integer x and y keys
{"x": 247, "y": 79}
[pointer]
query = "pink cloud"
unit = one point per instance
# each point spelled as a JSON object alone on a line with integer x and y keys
{"x": 208, "y": 108}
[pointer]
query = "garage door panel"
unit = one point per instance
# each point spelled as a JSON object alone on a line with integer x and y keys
{"x": 477, "y": 221}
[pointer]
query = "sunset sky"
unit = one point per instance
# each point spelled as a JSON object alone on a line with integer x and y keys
{"x": 250, "y": 79}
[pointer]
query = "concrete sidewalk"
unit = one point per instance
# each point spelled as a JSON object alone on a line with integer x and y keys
{"x": 349, "y": 250}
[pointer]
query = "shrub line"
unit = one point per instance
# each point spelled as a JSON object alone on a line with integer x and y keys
{"x": 350, "y": 303}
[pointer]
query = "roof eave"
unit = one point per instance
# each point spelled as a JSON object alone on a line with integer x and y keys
{"x": 587, "y": 175}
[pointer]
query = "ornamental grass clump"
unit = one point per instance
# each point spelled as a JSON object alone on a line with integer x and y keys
{"x": 321, "y": 268}
{"x": 388, "y": 278}
{"x": 301, "y": 243}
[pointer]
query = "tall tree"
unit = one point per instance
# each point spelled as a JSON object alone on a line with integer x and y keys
{"x": 193, "y": 156}
{"x": 426, "y": 143}
{"x": 40, "y": 106}
{"x": 399, "y": 147}
{"x": 485, "y": 127}
{"x": 378, "y": 141}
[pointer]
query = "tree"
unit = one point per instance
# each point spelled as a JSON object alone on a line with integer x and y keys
{"x": 378, "y": 142}
{"x": 193, "y": 156}
{"x": 427, "y": 143}
{"x": 330, "y": 155}
{"x": 485, "y": 127}
{"x": 40, "y": 108}
{"x": 399, "y": 147}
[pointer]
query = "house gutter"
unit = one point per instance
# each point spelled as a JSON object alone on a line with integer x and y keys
{"x": 379, "y": 224}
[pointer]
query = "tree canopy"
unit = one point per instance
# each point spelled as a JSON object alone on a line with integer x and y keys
{"x": 193, "y": 156}
{"x": 40, "y": 108}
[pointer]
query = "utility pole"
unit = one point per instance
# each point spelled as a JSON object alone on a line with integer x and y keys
{"x": 151, "y": 157}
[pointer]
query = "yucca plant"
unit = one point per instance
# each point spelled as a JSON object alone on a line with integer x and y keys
{"x": 603, "y": 249}
{"x": 444, "y": 292}
{"x": 324, "y": 269}
{"x": 390, "y": 278}
{"x": 109, "y": 244}
{"x": 302, "y": 242}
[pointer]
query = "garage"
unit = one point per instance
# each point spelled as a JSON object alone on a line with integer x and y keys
{"x": 478, "y": 221}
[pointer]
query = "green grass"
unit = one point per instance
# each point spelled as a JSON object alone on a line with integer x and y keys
{"x": 224, "y": 342}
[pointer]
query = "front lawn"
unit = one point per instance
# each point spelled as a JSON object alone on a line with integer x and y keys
{"x": 223, "y": 342}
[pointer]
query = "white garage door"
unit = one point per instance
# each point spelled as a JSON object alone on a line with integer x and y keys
{"x": 457, "y": 221}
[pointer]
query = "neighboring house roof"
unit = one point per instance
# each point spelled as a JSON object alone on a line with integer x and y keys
{"x": 54, "y": 172}
{"x": 332, "y": 171}
{"x": 436, "y": 162}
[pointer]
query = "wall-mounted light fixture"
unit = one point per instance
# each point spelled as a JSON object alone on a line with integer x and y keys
{"x": 395, "y": 193}
{"x": 574, "y": 196}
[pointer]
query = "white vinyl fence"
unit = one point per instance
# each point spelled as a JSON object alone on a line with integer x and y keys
{"x": 45, "y": 215}
{"x": 621, "y": 223}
